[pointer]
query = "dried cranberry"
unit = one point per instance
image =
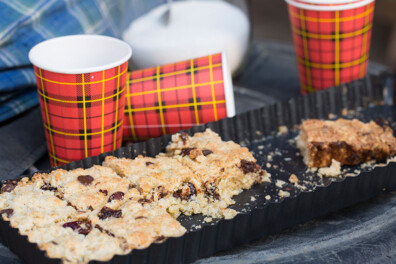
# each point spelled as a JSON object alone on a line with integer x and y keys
{"x": 116, "y": 196}
{"x": 8, "y": 186}
{"x": 48, "y": 187}
{"x": 107, "y": 212}
{"x": 83, "y": 227}
{"x": 186, "y": 151}
{"x": 162, "y": 192}
{"x": 105, "y": 192}
{"x": 140, "y": 217}
{"x": 8, "y": 212}
{"x": 249, "y": 166}
{"x": 148, "y": 163}
{"x": 85, "y": 179}
{"x": 160, "y": 239}
{"x": 206, "y": 152}
{"x": 101, "y": 229}
{"x": 178, "y": 194}
{"x": 70, "y": 204}
{"x": 183, "y": 136}
{"x": 90, "y": 208}
{"x": 143, "y": 201}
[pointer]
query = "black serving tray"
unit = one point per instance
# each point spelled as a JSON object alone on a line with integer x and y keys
{"x": 367, "y": 99}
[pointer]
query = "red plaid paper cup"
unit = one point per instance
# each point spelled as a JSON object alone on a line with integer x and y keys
{"x": 81, "y": 85}
{"x": 168, "y": 98}
{"x": 331, "y": 39}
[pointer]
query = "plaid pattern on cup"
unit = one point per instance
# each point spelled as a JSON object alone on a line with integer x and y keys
{"x": 166, "y": 99}
{"x": 332, "y": 47}
{"x": 82, "y": 113}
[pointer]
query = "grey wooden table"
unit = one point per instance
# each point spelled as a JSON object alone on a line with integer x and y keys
{"x": 364, "y": 233}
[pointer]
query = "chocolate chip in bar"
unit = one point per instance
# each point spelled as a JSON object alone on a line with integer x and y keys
{"x": 193, "y": 191}
{"x": 183, "y": 136}
{"x": 186, "y": 192}
{"x": 186, "y": 151}
{"x": 116, "y": 196}
{"x": 144, "y": 201}
{"x": 206, "y": 152}
{"x": 148, "y": 163}
{"x": 249, "y": 166}
{"x": 8, "y": 186}
{"x": 211, "y": 191}
{"x": 8, "y": 212}
{"x": 83, "y": 227}
{"x": 48, "y": 187}
{"x": 105, "y": 192}
{"x": 85, "y": 179}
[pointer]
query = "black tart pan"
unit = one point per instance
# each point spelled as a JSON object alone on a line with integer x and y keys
{"x": 367, "y": 99}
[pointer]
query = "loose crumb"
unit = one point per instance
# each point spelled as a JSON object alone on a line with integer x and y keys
{"x": 261, "y": 147}
{"x": 268, "y": 165}
{"x": 267, "y": 197}
{"x": 252, "y": 199}
{"x": 332, "y": 116}
{"x": 283, "y": 193}
{"x": 208, "y": 219}
{"x": 282, "y": 130}
{"x": 333, "y": 170}
{"x": 293, "y": 178}
{"x": 279, "y": 183}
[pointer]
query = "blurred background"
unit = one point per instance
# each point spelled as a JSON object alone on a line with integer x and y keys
{"x": 271, "y": 22}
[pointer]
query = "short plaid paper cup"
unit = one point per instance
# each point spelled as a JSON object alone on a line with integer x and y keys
{"x": 168, "y": 98}
{"x": 332, "y": 41}
{"x": 81, "y": 85}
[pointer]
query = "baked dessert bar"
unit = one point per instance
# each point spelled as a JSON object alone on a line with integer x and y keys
{"x": 224, "y": 168}
{"x": 169, "y": 183}
{"x": 349, "y": 142}
{"x": 84, "y": 189}
{"x": 84, "y": 215}
{"x": 198, "y": 174}
{"x": 93, "y": 214}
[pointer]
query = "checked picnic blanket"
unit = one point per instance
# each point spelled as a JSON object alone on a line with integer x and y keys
{"x": 24, "y": 23}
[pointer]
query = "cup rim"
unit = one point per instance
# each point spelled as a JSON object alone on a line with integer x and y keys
{"x": 329, "y": 2}
{"x": 228, "y": 87}
{"x": 36, "y": 52}
{"x": 329, "y": 8}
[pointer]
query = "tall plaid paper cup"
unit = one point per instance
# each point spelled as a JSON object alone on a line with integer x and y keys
{"x": 332, "y": 40}
{"x": 81, "y": 85}
{"x": 168, "y": 98}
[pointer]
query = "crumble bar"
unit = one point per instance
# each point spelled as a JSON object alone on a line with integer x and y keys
{"x": 350, "y": 142}
{"x": 83, "y": 215}
{"x": 224, "y": 168}
{"x": 198, "y": 174}
{"x": 93, "y": 214}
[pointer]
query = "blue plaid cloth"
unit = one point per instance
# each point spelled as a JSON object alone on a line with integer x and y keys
{"x": 24, "y": 23}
